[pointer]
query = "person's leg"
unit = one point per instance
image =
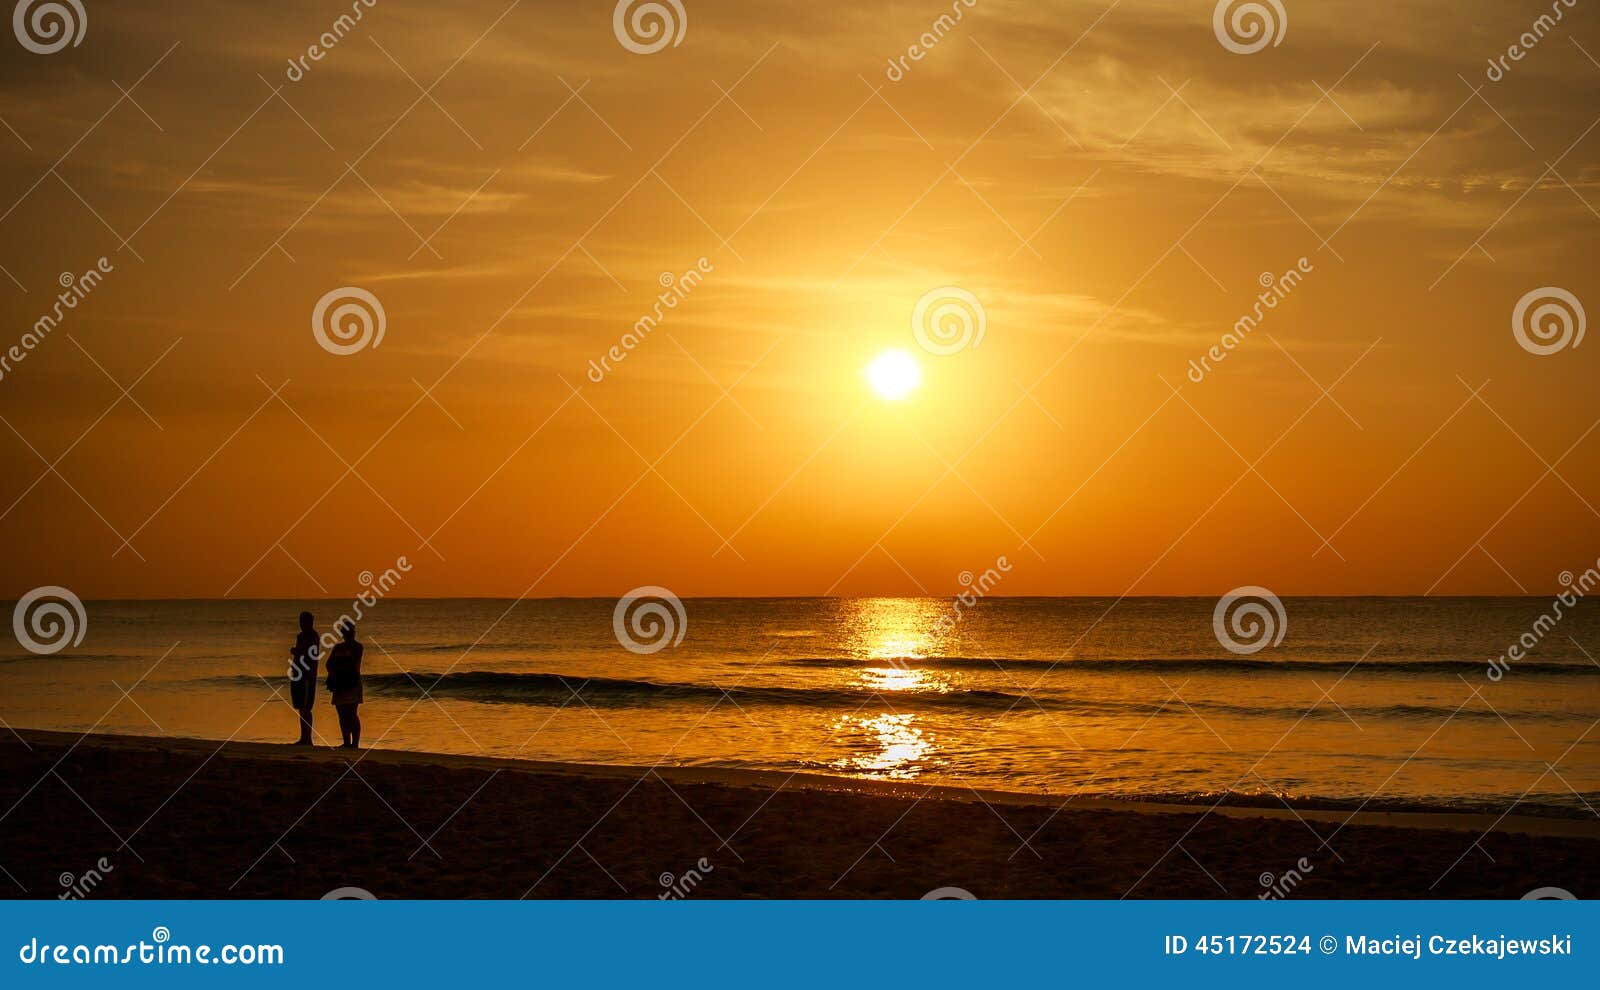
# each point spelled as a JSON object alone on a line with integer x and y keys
{"x": 305, "y": 727}
{"x": 347, "y": 718}
{"x": 355, "y": 727}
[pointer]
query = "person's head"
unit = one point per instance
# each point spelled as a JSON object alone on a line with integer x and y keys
{"x": 305, "y": 621}
{"x": 347, "y": 629}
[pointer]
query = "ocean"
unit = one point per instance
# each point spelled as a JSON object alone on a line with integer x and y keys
{"x": 1374, "y": 702}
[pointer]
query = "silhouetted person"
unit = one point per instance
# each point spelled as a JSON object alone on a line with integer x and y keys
{"x": 344, "y": 683}
{"x": 303, "y": 675}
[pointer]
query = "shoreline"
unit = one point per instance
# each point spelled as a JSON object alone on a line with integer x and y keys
{"x": 1419, "y": 817}
{"x": 205, "y": 819}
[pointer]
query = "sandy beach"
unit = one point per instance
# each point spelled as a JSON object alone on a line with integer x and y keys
{"x": 201, "y": 819}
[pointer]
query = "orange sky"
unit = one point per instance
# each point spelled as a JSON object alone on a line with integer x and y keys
{"x": 514, "y": 223}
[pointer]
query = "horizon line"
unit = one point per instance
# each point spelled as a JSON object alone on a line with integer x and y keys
{"x": 613, "y": 597}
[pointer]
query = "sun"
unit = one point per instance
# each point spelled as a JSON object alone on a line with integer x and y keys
{"x": 894, "y": 374}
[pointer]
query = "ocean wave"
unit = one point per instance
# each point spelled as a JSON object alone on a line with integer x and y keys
{"x": 74, "y": 657}
{"x": 502, "y": 687}
{"x": 535, "y": 689}
{"x": 1191, "y": 665}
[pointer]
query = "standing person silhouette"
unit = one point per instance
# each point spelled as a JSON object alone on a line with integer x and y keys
{"x": 344, "y": 683}
{"x": 303, "y": 658}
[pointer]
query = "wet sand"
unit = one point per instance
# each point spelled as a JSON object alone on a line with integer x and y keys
{"x": 202, "y": 819}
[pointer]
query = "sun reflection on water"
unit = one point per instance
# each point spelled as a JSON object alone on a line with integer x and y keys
{"x": 901, "y": 629}
{"x": 892, "y": 635}
{"x": 898, "y": 749}
{"x": 896, "y": 678}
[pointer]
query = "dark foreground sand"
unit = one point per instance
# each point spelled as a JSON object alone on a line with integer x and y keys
{"x": 199, "y": 819}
